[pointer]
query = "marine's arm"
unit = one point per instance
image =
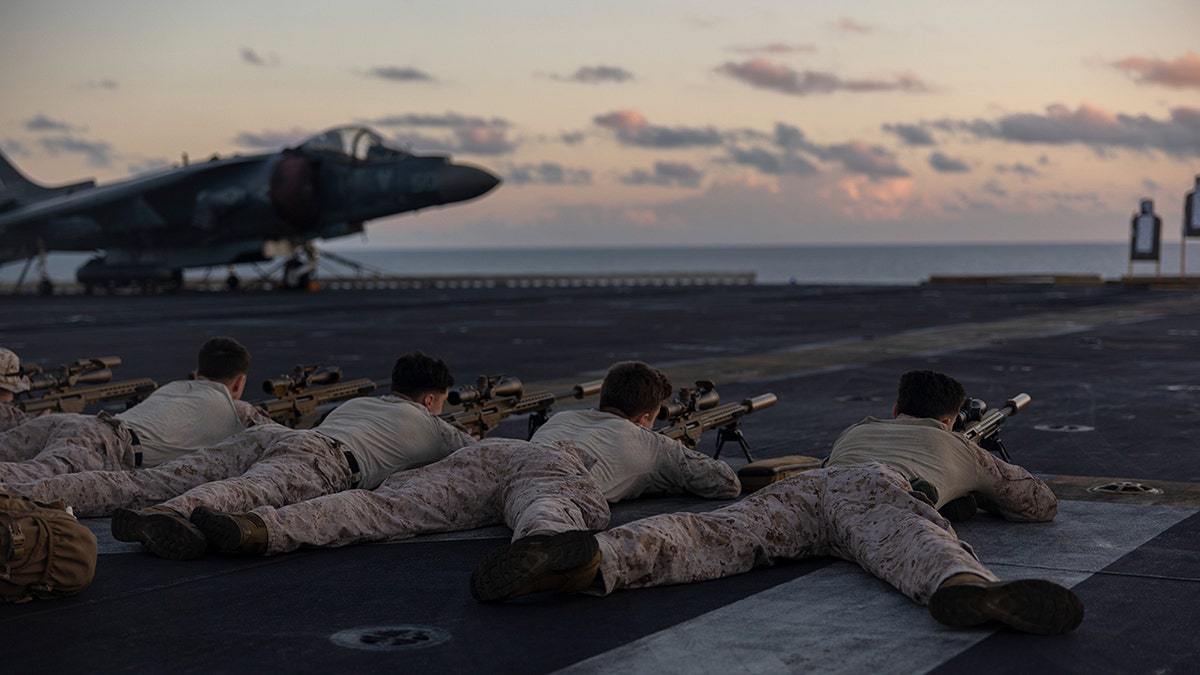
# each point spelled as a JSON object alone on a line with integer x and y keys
{"x": 691, "y": 471}
{"x": 251, "y": 415}
{"x": 1011, "y": 491}
{"x": 453, "y": 437}
{"x": 11, "y": 416}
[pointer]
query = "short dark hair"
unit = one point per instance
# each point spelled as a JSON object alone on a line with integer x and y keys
{"x": 924, "y": 393}
{"x": 416, "y": 374}
{"x": 222, "y": 358}
{"x": 634, "y": 388}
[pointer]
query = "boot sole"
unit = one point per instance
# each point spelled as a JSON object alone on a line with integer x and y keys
{"x": 1028, "y": 605}
{"x": 564, "y": 562}
{"x": 171, "y": 537}
{"x": 126, "y": 525}
{"x": 220, "y": 530}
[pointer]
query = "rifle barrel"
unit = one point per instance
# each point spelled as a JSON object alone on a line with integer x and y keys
{"x": 992, "y": 419}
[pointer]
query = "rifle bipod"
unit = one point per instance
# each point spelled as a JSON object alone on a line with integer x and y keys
{"x": 732, "y": 432}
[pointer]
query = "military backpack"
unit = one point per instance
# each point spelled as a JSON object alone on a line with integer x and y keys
{"x": 44, "y": 551}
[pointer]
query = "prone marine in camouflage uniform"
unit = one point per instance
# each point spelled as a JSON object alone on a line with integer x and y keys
{"x": 178, "y": 418}
{"x": 359, "y": 445}
{"x": 12, "y": 381}
{"x": 561, "y": 480}
{"x": 862, "y": 508}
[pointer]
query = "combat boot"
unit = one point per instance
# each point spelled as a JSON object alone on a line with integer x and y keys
{"x": 566, "y": 562}
{"x": 232, "y": 533}
{"x": 1028, "y": 605}
{"x": 162, "y": 531}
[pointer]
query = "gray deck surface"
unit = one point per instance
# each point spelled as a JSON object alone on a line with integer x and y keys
{"x": 1113, "y": 373}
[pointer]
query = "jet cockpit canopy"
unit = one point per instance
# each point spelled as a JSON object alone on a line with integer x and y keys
{"x": 353, "y": 144}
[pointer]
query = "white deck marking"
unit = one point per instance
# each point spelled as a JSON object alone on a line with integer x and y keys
{"x": 841, "y": 619}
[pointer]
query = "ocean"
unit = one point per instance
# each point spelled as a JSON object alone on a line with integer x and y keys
{"x": 907, "y": 264}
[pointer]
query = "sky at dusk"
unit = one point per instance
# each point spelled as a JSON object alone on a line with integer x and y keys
{"x": 651, "y": 122}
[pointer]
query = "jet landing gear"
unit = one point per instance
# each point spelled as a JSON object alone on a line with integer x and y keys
{"x": 298, "y": 272}
{"x": 45, "y": 287}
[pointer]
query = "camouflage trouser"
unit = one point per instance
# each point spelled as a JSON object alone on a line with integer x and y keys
{"x": 99, "y": 493}
{"x": 11, "y": 416}
{"x": 501, "y": 480}
{"x": 863, "y": 514}
{"x": 54, "y": 444}
{"x": 296, "y": 465}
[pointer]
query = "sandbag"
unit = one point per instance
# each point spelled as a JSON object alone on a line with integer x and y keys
{"x": 758, "y": 475}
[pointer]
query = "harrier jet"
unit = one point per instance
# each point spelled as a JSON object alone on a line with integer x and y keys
{"x": 226, "y": 210}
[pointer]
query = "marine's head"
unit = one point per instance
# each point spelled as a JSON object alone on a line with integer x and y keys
{"x": 924, "y": 393}
{"x": 634, "y": 390}
{"x": 224, "y": 360}
{"x": 423, "y": 379}
{"x": 12, "y": 381}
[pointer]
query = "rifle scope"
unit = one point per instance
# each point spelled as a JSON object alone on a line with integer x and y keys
{"x": 69, "y": 379}
{"x": 485, "y": 389}
{"x": 972, "y": 410}
{"x": 306, "y": 376}
{"x": 702, "y": 397}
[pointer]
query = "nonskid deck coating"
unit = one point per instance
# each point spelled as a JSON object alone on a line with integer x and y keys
{"x": 1117, "y": 361}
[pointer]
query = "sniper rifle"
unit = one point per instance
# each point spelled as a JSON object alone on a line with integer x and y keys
{"x": 304, "y": 398}
{"x": 59, "y": 389}
{"x": 695, "y": 411}
{"x": 493, "y": 398}
{"x": 982, "y": 426}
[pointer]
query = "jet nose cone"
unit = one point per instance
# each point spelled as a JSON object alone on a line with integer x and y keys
{"x": 460, "y": 182}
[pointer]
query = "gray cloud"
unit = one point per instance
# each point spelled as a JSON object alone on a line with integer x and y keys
{"x": 272, "y": 139}
{"x": 1181, "y": 73}
{"x": 147, "y": 165}
{"x": 483, "y": 140}
{"x": 252, "y": 57}
{"x": 111, "y": 85}
{"x": 399, "y": 74}
{"x": 597, "y": 75}
{"x": 993, "y": 188}
{"x": 546, "y": 173}
{"x": 785, "y": 163}
{"x": 941, "y": 162}
{"x": 450, "y": 120}
{"x": 97, "y": 153}
{"x": 1177, "y": 136}
{"x": 765, "y": 74}
{"x": 43, "y": 123}
{"x": 776, "y": 48}
{"x": 670, "y": 174}
{"x": 12, "y": 146}
{"x": 572, "y": 137}
{"x": 872, "y": 161}
{"x": 911, "y": 134}
{"x": 469, "y": 133}
{"x": 848, "y": 25}
{"x": 1023, "y": 170}
{"x": 632, "y": 129}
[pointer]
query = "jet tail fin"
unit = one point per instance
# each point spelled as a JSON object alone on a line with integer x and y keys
{"x": 15, "y": 187}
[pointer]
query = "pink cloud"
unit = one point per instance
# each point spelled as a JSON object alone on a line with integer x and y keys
{"x": 1181, "y": 73}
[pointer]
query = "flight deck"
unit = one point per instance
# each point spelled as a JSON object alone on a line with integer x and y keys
{"x": 1115, "y": 384}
